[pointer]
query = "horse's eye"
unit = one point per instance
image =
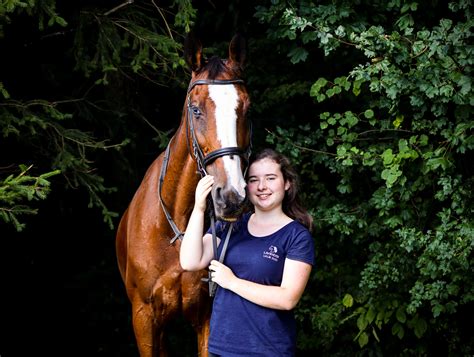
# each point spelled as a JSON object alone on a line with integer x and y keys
{"x": 196, "y": 111}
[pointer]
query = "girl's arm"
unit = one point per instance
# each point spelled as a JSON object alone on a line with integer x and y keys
{"x": 283, "y": 297}
{"x": 196, "y": 251}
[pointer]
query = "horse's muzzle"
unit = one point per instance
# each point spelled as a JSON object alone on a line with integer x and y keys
{"x": 228, "y": 204}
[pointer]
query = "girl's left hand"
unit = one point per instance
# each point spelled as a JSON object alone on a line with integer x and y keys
{"x": 221, "y": 274}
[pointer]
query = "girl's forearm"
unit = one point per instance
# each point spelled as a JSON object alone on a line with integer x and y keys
{"x": 273, "y": 297}
{"x": 191, "y": 251}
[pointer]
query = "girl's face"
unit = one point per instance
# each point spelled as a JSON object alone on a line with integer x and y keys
{"x": 266, "y": 185}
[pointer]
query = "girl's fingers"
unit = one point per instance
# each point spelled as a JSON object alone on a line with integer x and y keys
{"x": 203, "y": 188}
{"x": 205, "y": 184}
{"x": 214, "y": 264}
{"x": 206, "y": 181}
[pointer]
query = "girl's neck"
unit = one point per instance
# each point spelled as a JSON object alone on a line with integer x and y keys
{"x": 276, "y": 216}
{"x": 262, "y": 224}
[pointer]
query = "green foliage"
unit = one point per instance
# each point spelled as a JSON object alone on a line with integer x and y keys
{"x": 185, "y": 14}
{"x": 37, "y": 122}
{"x": 138, "y": 41}
{"x": 115, "y": 48}
{"x": 14, "y": 190}
{"x": 394, "y": 136}
{"x": 44, "y": 10}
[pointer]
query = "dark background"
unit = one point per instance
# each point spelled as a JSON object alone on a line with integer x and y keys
{"x": 61, "y": 291}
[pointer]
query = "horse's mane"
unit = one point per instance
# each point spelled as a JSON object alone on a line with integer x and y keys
{"x": 215, "y": 66}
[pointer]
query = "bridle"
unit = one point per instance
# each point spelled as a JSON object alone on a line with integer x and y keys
{"x": 202, "y": 161}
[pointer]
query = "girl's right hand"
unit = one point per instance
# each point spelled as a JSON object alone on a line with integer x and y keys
{"x": 203, "y": 188}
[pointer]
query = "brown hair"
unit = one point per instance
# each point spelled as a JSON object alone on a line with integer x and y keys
{"x": 291, "y": 203}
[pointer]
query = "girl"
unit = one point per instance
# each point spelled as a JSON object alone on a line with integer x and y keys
{"x": 267, "y": 265}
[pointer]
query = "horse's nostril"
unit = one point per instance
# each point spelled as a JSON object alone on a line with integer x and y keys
{"x": 227, "y": 198}
{"x": 219, "y": 197}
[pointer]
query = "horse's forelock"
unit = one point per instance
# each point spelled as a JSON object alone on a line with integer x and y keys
{"x": 216, "y": 66}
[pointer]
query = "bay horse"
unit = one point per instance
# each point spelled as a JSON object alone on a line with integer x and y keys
{"x": 214, "y": 137}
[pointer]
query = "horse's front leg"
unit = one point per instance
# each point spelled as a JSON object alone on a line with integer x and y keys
{"x": 149, "y": 332}
{"x": 202, "y": 332}
{"x": 196, "y": 306}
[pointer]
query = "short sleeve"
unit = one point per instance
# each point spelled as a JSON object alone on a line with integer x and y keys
{"x": 301, "y": 247}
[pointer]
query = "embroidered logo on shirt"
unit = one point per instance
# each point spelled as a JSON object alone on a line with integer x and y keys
{"x": 271, "y": 253}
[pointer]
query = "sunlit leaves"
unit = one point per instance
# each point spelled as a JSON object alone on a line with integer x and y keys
{"x": 398, "y": 132}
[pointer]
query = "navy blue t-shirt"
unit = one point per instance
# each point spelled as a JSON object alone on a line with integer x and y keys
{"x": 240, "y": 327}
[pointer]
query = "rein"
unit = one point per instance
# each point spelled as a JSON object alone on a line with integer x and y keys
{"x": 202, "y": 161}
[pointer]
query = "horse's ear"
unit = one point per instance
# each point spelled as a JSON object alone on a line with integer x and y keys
{"x": 193, "y": 52}
{"x": 238, "y": 50}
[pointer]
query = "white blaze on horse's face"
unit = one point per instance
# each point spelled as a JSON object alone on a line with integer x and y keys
{"x": 226, "y": 100}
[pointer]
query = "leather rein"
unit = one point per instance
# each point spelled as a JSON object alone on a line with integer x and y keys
{"x": 202, "y": 161}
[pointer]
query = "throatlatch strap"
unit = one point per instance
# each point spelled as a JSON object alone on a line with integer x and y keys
{"x": 164, "y": 167}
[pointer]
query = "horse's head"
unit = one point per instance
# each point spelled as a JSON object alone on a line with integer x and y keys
{"x": 219, "y": 134}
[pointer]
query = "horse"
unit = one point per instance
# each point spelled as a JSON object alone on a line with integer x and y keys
{"x": 213, "y": 137}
